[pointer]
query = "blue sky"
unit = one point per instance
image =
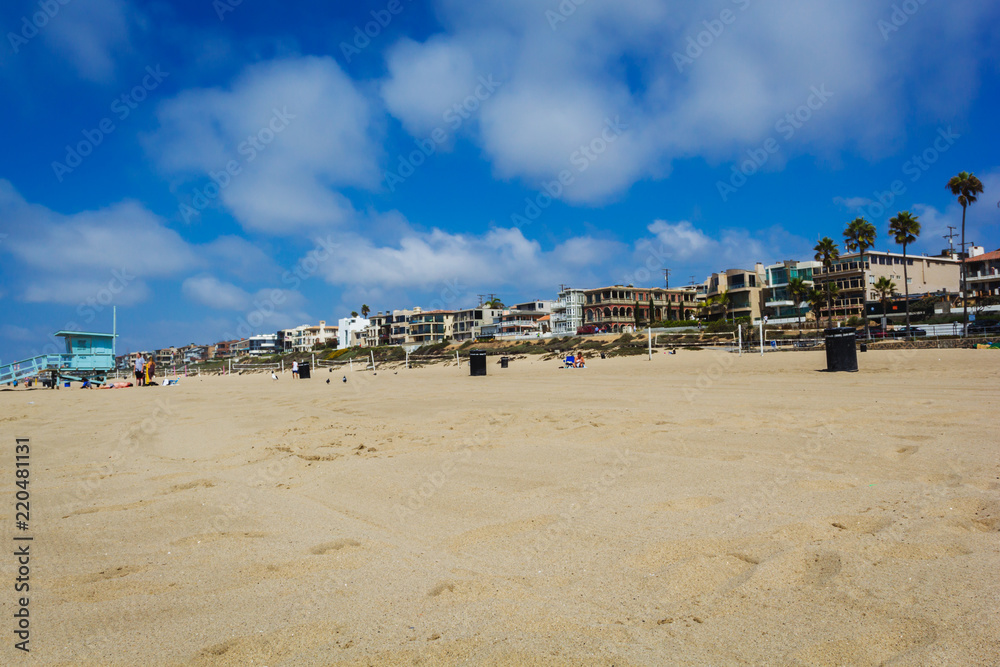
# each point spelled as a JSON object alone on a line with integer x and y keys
{"x": 213, "y": 168}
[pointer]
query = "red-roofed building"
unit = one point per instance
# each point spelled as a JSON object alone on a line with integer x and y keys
{"x": 982, "y": 274}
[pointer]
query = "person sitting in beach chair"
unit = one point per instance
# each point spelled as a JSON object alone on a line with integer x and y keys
{"x": 579, "y": 361}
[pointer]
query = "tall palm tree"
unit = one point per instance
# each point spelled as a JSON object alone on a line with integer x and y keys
{"x": 826, "y": 252}
{"x": 858, "y": 237}
{"x": 905, "y": 227}
{"x": 365, "y": 310}
{"x": 885, "y": 288}
{"x": 798, "y": 290}
{"x": 967, "y": 188}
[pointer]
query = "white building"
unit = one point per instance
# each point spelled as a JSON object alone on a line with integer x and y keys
{"x": 263, "y": 344}
{"x": 347, "y": 327}
{"x": 567, "y": 313}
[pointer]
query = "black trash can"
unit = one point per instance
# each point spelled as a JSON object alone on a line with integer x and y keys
{"x": 503, "y": 362}
{"x": 477, "y": 362}
{"x": 841, "y": 354}
{"x": 304, "y": 372}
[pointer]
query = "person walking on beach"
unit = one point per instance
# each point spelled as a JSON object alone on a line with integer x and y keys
{"x": 295, "y": 370}
{"x": 139, "y": 370}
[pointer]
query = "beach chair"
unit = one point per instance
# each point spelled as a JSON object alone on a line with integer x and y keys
{"x": 569, "y": 362}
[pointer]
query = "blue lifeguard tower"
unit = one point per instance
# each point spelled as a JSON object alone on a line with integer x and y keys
{"x": 89, "y": 356}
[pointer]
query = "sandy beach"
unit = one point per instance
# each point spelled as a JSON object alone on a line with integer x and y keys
{"x": 701, "y": 508}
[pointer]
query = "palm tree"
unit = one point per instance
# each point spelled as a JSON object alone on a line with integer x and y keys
{"x": 831, "y": 290}
{"x": 354, "y": 313}
{"x": 725, "y": 301}
{"x": 365, "y": 310}
{"x": 826, "y": 252}
{"x": 966, "y": 187}
{"x": 798, "y": 290}
{"x": 905, "y": 227}
{"x": 707, "y": 306}
{"x": 859, "y": 236}
{"x": 816, "y": 298}
{"x": 885, "y": 288}
{"x": 494, "y": 303}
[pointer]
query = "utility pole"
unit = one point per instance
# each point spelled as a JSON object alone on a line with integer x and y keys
{"x": 950, "y": 238}
{"x": 666, "y": 278}
{"x": 481, "y": 296}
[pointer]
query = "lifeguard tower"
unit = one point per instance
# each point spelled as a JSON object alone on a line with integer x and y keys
{"x": 89, "y": 356}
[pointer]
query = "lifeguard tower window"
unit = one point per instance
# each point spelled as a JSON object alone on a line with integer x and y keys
{"x": 81, "y": 345}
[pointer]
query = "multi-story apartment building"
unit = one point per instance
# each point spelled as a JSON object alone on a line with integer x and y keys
{"x": 432, "y": 326}
{"x": 166, "y": 357}
{"x": 613, "y": 308}
{"x": 744, "y": 292}
{"x": 778, "y": 303}
{"x": 856, "y": 279}
{"x": 982, "y": 275}
{"x": 305, "y": 337}
{"x": 262, "y": 345}
{"x": 567, "y": 313}
{"x": 469, "y": 323}
{"x": 377, "y": 331}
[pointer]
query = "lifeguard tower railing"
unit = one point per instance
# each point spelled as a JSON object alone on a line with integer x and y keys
{"x": 88, "y": 356}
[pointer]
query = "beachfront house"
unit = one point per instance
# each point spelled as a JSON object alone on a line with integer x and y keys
{"x": 928, "y": 277}
{"x": 982, "y": 275}
{"x": 431, "y": 326}
{"x": 615, "y": 309}
{"x": 348, "y": 329}
{"x": 778, "y": 303}
{"x": 263, "y": 345}
{"x": 567, "y": 313}
{"x": 305, "y": 337}
{"x": 736, "y": 293}
{"x": 469, "y": 323}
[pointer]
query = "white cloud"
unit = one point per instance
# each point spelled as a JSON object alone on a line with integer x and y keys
{"x": 561, "y": 80}
{"x": 210, "y": 291}
{"x": 425, "y": 80}
{"x": 108, "y": 255}
{"x": 296, "y": 129}
{"x": 428, "y": 261}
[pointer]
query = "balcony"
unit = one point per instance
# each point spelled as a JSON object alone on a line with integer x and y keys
{"x": 847, "y": 267}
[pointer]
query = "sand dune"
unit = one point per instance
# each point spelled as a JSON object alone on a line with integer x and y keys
{"x": 697, "y": 509}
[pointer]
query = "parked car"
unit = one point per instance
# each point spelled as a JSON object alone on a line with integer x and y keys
{"x": 904, "y": 332}
{"x": 980, "y": 328}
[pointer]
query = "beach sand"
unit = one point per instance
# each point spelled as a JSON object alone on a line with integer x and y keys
{"x": 697, "y": 509}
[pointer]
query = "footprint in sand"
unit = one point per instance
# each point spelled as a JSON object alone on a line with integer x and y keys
{"x": 868, "y": 525}
{"x": 204, "y": 483}
{"x": 331, "y": 547}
